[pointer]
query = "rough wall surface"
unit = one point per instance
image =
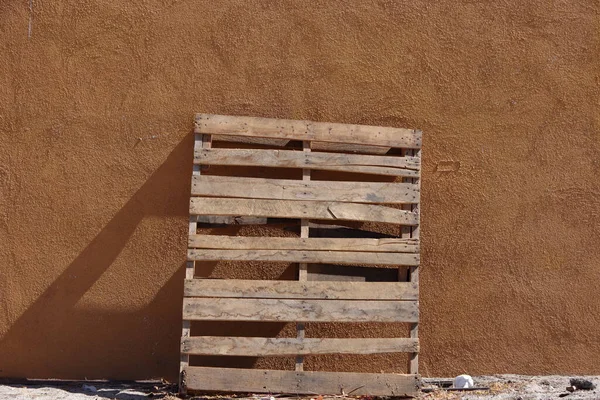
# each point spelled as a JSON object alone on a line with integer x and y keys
{"x": 96, "y": 107}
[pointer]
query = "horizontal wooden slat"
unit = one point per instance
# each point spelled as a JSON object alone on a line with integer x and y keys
{"x": 394, "y": 166}
{"x": 301, "y": 209}
{"x": 235, "y": 288}
{"x": 305, "y": 256}
{"x": 274, "y": 310}
{"x": 288, "y": 189}
{"x": 299, "y": 382}
{"x": 391, "y": 245}
{"x": 307, "y": 130}
{"x": 259, "y": 347}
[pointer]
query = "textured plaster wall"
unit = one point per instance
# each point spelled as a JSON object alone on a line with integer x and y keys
{"x": 96, "y": 112}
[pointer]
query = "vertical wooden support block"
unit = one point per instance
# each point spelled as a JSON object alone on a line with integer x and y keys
{"x": 414, "y": 273}
{"x": 303, "y": 267}
{"x": 200, "y": 141}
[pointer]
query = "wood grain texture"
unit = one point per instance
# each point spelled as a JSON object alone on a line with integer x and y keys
{"x": 288, "y": 189}
{"x": 307, "y": 130}
{"x": 301, "y": 209}
{"x": 260, "y": 347}
{"x": 299, "y": 382}
{"x": 285, "y": 310}
{"x": 303, "y": 267}
{"x": 305, "y": 256}
{"x": 235, "y": 288}
{"x": 384, "y": 165}
{"x": 199, "y": 142}
{"x": 390, "y": 245}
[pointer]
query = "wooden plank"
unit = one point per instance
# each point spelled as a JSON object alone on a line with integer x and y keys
{"x": 306, "y": 256}
{"x": 301, "y": 209}
{"x": 199, "y": 142}
{"x": 300, "y": 382}
{"x": 307, "y": 130}
{"x": 288, "y": 189}
{"x": 260, "y": 347}
{"x": 303, "y": 267}
{"x": 391, "y": 245}
{"x": 299, "y": 159}
{"x": 393, "y": 166}
{"x": 239, "y": 288}
{"x": 414, "y": 278}
{"x": 285, "y": 310}
{"x": 406, "y": 232}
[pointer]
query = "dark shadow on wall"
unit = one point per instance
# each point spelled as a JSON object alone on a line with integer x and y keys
{"x": 54, "y": 339}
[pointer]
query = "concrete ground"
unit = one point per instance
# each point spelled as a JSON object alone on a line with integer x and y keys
{"x": 501, "y": 387}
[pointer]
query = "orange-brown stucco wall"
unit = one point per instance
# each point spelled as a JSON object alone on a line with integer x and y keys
{"x": 96, "y": 108}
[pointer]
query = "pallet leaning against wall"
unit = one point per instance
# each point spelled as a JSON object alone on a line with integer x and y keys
{"x": 366, "y": 151}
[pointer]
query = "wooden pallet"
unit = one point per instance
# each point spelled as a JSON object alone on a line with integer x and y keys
{"x": 306, "y": 146}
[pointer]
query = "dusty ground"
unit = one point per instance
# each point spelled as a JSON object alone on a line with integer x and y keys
{"x": 501, "y": 387}
{"x": 518, "y": 387}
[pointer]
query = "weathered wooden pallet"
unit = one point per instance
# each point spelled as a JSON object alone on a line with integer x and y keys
{"x": 369, "y": 197}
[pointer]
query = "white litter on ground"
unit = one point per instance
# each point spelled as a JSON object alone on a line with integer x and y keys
{"x": 463, "y": 382}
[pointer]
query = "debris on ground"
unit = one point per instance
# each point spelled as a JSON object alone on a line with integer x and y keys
{"x": 463, "y": 382}
{"x": 582, "y": 384}
{"x": 89, "y": 388}
{"x": 508, "y": 387}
